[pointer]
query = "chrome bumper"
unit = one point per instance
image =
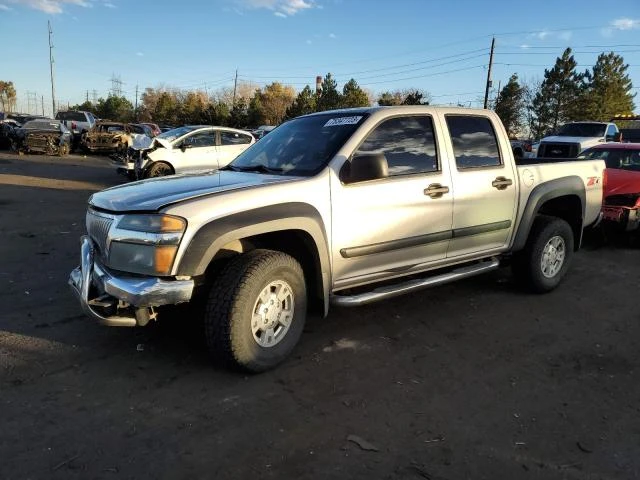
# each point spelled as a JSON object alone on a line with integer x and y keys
{"x": 137, "y": 292}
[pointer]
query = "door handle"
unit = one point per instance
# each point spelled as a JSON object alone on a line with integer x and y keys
{"x": 501, "y": 183}
{"x": 435, "y": 190}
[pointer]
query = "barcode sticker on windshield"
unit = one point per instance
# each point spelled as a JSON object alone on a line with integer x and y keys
{"x": 336, "y": 122}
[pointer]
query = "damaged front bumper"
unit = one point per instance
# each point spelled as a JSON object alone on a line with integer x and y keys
{"x": 122, "y": 300}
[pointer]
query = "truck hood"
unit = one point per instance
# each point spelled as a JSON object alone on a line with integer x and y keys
{"x": 156, "y": 193}
{"x": 581, "y": 140}
{"x": 622, "y": 182}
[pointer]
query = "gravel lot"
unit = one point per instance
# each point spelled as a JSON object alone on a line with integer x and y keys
{"x": 472, "y": 380}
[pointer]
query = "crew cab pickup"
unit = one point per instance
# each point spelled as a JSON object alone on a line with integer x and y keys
{"x": 342, "y": 207}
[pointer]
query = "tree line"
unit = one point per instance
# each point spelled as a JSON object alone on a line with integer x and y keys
{"x": 250, "y": 107}
{"x": 528, "y": 109}
{"x": 564, "y": 95}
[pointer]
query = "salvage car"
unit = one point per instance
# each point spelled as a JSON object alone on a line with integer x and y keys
{"x": 622, "y": 189}
{"x": 186, "y": 149}
{"x": 43, "y": 136}
{"x": 341, "y": 207}
{"x": 107, "y": 137}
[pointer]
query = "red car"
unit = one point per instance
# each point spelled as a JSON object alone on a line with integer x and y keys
{"x": 622, "y": 182}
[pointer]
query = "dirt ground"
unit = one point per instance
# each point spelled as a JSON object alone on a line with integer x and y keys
{"x": 474, "y": 380}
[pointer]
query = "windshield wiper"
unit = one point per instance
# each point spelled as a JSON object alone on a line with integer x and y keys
{"x": 260, "y": 168}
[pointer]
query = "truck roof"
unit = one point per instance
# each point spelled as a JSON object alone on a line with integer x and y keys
{"x": 617, "y": 146}
{"x": 404, "y": 108}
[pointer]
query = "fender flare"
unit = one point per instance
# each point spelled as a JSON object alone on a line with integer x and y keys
{"x": 560, "y": 187}
{"x": 212, "y": 236}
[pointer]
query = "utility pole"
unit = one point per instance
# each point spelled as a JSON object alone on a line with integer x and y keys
{"x": 87, "y": 96}
{"x": 235, "y": 87}
{"x": 486, "y": 92}
{"x": 42, "y": 103}
{"x": 136, "y": 110}
{"x": 53, "y": 90}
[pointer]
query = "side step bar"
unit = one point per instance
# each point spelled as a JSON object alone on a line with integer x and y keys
{"x": 390, "y": 291}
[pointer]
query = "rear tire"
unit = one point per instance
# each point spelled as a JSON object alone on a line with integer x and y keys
{"x": 158, "y": 169}
{"x": 256, "y": 310}
{"x": 63, "y": 150}
{"x": 543, "y": 263}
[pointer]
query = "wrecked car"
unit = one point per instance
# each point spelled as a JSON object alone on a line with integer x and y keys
{"x": 42, "y": 136}
{"x": 107, "y": 137}
{"x": 621, "y": 206}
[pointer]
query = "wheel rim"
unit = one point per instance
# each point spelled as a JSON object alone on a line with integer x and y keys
{"x": 553, "y": 256}
{"x": 272, "y": 314}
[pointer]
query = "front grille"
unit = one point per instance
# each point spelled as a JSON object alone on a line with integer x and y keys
{"x": 98, "y": 227}
{"x": 558, "y": 150}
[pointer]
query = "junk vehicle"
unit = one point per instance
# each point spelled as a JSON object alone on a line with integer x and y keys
{"x": 78, "y": 123}
{"x": 107, "y": 137}
{"x": 575, "y": 137}
{"x": 622, "y": 189}
{"x": 340, "y": 208}
{"x": 190, "y": 148}
{"x": 42, "y": 136}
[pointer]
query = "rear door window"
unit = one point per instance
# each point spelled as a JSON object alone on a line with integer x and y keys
{"x": 474, "y": 142}
{"x": 233, "y": 138}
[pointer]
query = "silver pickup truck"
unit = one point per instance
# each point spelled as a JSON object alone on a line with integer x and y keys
{"x": 341, "y": 207}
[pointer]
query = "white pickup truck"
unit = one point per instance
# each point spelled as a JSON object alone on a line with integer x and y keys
{"x": 575, "y": 137}
{"x": 341, "y": 207}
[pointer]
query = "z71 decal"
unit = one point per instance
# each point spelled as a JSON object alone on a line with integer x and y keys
{"x": 593, "y": 181}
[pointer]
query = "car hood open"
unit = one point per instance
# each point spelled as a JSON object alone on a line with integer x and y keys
{"x": 156, "y": 193}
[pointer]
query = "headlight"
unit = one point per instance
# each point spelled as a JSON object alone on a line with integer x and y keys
{"x": 146, "y": 244}
{"x": 152, "y": 223}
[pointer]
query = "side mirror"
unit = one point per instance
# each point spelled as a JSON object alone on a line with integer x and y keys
{"x": 617, "y": 137}
{"x": 184, "y": 146}
{"x": 367, "y": 167}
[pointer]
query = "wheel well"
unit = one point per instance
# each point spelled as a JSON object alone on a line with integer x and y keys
{"x": 568, "y": 208}
{"x": 297, "y": 243}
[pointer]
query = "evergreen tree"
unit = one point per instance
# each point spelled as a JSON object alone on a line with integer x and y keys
{"x": 388, "y": 99}
{"x": 115, "y": 108}
{"x": 609, "y": 89}
{"x": 238, "y": 117}
{"x": 255, "y": 112}
{"x": 304, "y": 104}
{"x": 353, "y": 95}
{"x": 561, "y": 94}
{"x": 510, "y": 106}
{"x": 329, "y": 98}
{"x": 416, "y": 97}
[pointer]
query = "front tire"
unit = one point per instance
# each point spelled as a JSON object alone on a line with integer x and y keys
{"x": 543, "y": 263}
{"x": 158, "y": 169}
{"x": 256, "y": 310}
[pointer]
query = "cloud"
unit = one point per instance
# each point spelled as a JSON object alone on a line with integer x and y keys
{"x": 280, "y": 14}
{"x": 140, "y": 54}
{"x": 283, "y": 7}
{"x": 109, "y": 5}
{"x": 4, "y": 7}
{"x": 51, "y": 6}
{"x": 626, "y": 23}
{"x": 565, "y": 35}
{"x": 309, "y": 42}
{"x": 543, "y": 34}
{"x": 524, "y": 46}
{"x": 332, "y": 35}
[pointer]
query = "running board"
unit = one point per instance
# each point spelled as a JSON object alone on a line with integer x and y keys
{"x": 390, "y": 291}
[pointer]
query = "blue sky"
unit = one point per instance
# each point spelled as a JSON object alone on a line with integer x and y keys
{"x": 439, "y": 46}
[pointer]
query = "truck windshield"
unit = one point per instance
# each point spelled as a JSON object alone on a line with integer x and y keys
{"x": 300, "y": 147}
{"x": 582, "y": 130}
